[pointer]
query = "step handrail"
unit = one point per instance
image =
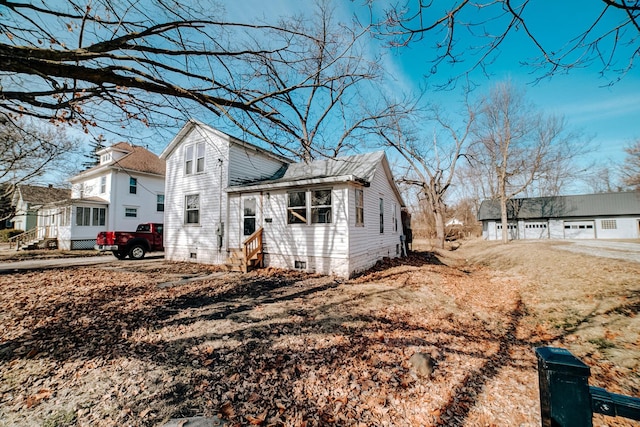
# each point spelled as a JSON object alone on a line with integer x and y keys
{"x": 251, "y": 246}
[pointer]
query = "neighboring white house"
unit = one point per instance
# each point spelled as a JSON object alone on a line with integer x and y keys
{"x": 27, "y": 200}
{"x": 125, "y": 189}
{"x": 587, "y": 216}
{"x": 335, "y": 216}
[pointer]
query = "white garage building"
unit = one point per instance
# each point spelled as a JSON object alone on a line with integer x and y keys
{"x": 587, "y": 216}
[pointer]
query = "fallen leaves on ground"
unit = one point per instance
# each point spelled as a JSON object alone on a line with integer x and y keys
{"x": 111, "y": 347}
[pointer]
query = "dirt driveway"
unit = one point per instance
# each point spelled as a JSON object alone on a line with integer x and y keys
{"x": 135, "y": 344}
{"x": 628, "y": 251}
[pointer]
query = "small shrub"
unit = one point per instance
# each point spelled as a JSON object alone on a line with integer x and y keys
{"x": 5, "y": 235}
{"x": 602, "y": 343}
{"x": 61, "y": 418}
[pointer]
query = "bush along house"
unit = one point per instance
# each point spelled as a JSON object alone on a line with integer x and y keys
{"x": 232, "y": 203}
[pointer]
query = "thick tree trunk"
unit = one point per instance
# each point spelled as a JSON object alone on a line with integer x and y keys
{"x": 439, "y": 220}
{"x": 504, "y": 220}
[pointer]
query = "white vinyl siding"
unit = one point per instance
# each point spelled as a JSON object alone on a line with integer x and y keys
{"x": 181, "y": 240}
{"x": 367, "y": 243}
{"x": 322, "y": 246}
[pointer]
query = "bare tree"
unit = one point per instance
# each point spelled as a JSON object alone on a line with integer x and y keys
{"x": 431, "y": 164}
{"x": 631, "y": 166}
{"x": 518, "y": 146}
{"x": 600, "y": 179}
{"x": 332, "y": 77}
{"x": 106, "y": 63}
{"x": 471, "y": 33}
{"x": 30, "y": 149}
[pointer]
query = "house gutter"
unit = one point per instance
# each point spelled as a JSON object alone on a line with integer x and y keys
{"x": 299, "y": 183}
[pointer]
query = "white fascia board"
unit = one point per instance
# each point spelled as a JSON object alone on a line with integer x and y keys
{"x": 298, "y": 183}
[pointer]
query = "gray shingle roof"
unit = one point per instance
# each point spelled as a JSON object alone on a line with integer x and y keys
{"x": 362, "y": 166}
{"x": 359, "y": 166}
{"x": 585, "y": 205}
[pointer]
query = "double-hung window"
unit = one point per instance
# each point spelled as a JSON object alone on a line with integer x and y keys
{"x": 133, "y": 185}
{"x": 192, "y": 209}
{"x": 297, "y": 207}
{"x": 359, "y": 207}
{"x": 130, "y": 212}
{"x": 381, "y": 216}
{"x": 321, "y": 206}
{"x": 194, "y": 158}
{"x": 160, "y": 202}
{"x": 83, "y": 216}
{"x": 394, "y": 217}
{"x": 99, "y": 216}
{"x": 103, "y": 184}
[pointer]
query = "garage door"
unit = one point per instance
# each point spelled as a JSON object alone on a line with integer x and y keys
{"x": 513, "y": 231}
{"x": 536, "y": 230}
{"x": 579, "y": 230}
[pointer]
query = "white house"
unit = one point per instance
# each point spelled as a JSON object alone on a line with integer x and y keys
{"x": 125, "y": 189}
{"x": 225, "y": 196}
{"x": 27, "y": 200}
{"x": 587, "y": 216}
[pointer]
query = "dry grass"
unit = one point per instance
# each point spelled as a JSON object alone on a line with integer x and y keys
{"x": 135, "y": 345}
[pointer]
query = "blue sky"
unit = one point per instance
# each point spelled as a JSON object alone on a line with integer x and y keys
{"x": 608, "y": 113}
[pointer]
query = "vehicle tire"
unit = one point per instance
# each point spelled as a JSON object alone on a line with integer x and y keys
{"x": 137, "y": 252}
{"x": 119, "y": 254}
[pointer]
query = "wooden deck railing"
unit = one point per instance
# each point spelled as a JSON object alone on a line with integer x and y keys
{"x": 252, "y": 247}
{"x": 37, "y": 233}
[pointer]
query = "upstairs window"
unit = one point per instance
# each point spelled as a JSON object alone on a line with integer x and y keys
{"x": 359, "y": 207}
{"x": 194, "y": 158}
{"x": 160, "y": 202}
{"x": 105, "y": 158}
{"x": 133, "y": 185}
{"x": 103, "y": 184}
{"x": 297, "y": 207}
{"x": 321, "y": 206}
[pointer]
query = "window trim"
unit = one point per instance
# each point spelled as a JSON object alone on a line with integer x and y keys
{"x": 186, "y": 209}
{"x": 292, "y": 211}
{"x": 101, "y": 220}
{"x": 313, "y": 207}
{"x": 132, "y": 209}
{"x": 359, "y": 205}
{"x": 193, "y": 163}
{"x": 381, "y": 215}
{"x": 83, "y": 220}
{"x": 133, "y": 185}
{"x": 158, "y": 204}
{"x": 103, "y": 184}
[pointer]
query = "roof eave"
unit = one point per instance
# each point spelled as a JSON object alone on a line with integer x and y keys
{"x": 297, "y": 183}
